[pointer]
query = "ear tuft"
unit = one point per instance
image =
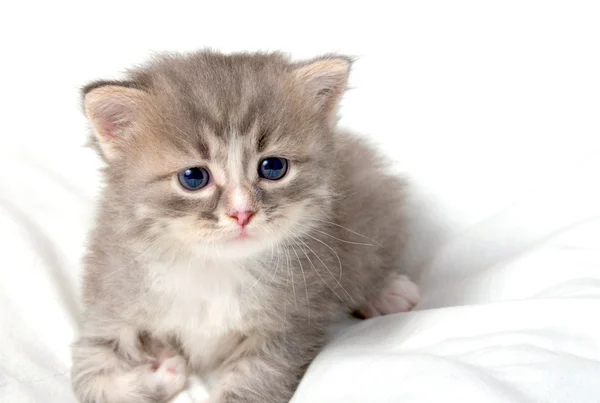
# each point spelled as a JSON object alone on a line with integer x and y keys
{"x": 325, "y": 79}
{"x": 113, "y": 111}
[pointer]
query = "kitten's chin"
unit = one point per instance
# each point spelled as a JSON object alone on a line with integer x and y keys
{"x": 241, "y": 237}
{"x": 239, "y": 247}
{"x": 244, "y": 248}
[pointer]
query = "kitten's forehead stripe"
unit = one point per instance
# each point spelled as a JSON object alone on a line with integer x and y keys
{"x": 253, "y": 113}
{"x": 248, "y": 122}
{"x": 207, "y": 121}
{"x": 235, "y": 163}
{"x": 262, "y": 142}
{"x": 202, "y": 147}
{"x": 181, "y": 144}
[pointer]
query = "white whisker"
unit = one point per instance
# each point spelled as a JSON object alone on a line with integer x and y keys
{"x": 336, "y": 254}
{"x": 313, "y": 266}
{"x": 268, "y": 263}
{"x": 291, "y": 272}
{"x": 338, "y": 258}
{"x": 277, "y": 264}
{"x": 347, "y": 229}
{"x": 287, "y": 278}
{"x": 304, "y": 278}
{"x": 329, "y": 235}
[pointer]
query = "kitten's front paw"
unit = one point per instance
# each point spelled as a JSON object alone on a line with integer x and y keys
{"x": 170, "y": 375}
{"x": 400, "y": 295}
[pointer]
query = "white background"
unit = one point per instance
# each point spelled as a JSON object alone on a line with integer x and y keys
{"x": 491, "y": 109}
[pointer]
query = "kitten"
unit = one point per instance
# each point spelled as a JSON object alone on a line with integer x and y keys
{"x": 236, "y": 224}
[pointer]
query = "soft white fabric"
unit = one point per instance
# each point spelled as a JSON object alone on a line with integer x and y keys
{"x": 491, "y": 111}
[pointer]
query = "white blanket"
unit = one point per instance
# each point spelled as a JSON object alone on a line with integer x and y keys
{"x": 490, "y": 111}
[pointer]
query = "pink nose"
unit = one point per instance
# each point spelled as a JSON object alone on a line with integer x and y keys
{"x": 243, "y": 217}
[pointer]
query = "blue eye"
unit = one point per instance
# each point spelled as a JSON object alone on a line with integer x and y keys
{"x": 193, "y": 178}
{"x": 273, "y": 168}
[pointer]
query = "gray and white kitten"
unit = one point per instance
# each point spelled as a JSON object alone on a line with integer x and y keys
{"x": 236, "y": 224}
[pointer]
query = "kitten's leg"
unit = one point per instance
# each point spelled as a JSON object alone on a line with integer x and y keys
{"x": 268, "y": 369}
{"x": 399, "y": 295}
{"x": 116, "y": 370}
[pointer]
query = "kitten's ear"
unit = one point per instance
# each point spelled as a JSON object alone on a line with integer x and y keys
{"x": 113, "y": 111}
{"x": 325, "y": 79}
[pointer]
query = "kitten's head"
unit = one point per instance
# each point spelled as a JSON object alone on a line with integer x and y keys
{"x": 220, "y": 153}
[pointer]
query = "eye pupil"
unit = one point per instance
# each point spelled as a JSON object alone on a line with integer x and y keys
{"x": 193, "y": 178}
{"x": 273, "y": 168}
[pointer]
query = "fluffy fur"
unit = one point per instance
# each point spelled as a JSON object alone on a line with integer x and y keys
{"x": 169, "y": 287}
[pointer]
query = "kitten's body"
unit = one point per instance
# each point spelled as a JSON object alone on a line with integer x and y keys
{"x": 253, "y": 310}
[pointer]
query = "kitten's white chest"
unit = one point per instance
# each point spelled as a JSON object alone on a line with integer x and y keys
{"x": 203, "y": 305}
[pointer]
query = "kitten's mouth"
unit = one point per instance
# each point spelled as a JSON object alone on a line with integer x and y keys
{"x": 242, "y": 235}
